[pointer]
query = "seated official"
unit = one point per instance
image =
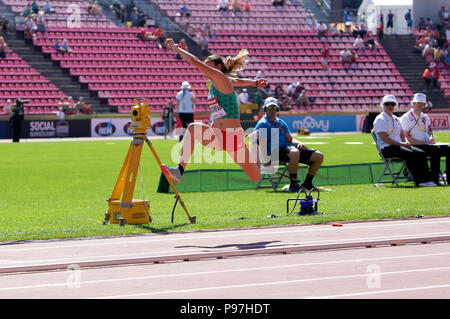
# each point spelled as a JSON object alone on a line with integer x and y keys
{"x": 277, "y": 145}
{"x": 416, "y": 127}
{"x": 392, "y": 143}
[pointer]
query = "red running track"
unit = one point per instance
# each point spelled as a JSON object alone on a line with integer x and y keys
{"x": 406, "y": 259}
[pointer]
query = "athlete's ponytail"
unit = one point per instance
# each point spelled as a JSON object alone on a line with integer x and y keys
{"x": 231, "y": 65}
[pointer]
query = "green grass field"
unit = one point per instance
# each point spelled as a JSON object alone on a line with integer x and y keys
{"x": 59, "y": 190}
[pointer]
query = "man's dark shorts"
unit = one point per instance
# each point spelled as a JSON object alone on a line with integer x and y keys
{"x": 305, "y": 155}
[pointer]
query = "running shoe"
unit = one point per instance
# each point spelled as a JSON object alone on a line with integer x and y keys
{"x": 172, "y": 172}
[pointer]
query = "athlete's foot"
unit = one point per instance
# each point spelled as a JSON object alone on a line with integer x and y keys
{"x": 172, "y": 172}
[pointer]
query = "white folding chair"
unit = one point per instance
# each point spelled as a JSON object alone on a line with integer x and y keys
{"x": 389, "y": 170}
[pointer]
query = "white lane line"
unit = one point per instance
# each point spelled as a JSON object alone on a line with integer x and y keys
{"x": 211, "y": 235}
{"x": 377, "y": 292}
{"x": 213, "y": 272}
{"x": 206, "y": 250}
{"x": 270, "y": 283}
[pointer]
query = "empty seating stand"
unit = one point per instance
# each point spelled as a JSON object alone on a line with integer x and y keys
{"x": 18, "y": 80}
{"x": 284, "y": 44}
{"x": 121, "y": 67}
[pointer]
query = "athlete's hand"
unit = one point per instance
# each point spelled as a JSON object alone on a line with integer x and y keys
{"x": 261, "y": 83}
{"x": 170, "y": 44}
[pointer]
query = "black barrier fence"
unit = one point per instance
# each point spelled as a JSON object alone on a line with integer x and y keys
{"x": 48, "y": 128}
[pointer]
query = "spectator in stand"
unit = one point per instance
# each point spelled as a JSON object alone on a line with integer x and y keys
{"x": 347, "y": 15}
{"x": 435, "y": 75}
{"x": 309, "y": 16}
{"x": 278, "y": 3}
{"x": 282, "y": 97}
{"x": 430, "y": 23}
{"x": 96, "y": 9}
{"x": 235, "y": 7}
{"x": 321, "y": 29}
{"x": 409, "y": 21}
{"x": 292, "y": 90}
{"x": 81, "y": 106}
{"x": 4, "y": 26}
{"x": 420, "y": 44}
{"x": 30, "y": 27}
{"x": 223, "y": 5}
{"x": 89, "y": 7}
{"x": 48, "y": 8}
{"x": 344, "y": 56}
{"x": 426, "y": 75}
{"x": 325, "y": 53}
{"x": 437, "y": 54}
{"x": 63, "y": 104}
{"x": 443, "y": 15}
{"x": 204, "y": 43}
{"x": 65, "y": 47}
{"x": 60, "y": 115}
{"x": 427, "y": 50}
{"x": 416, "y": 127}
{"x": 182, "y": 45}
{"x": 184, "y": 10}
{"x": 3, "y": 47}
{"x": 358, "y": 43}
{"x": 158, "y": 36}
{"x": 371, "y": 44}
{"x": 57, "y": 46}
{"x": 71, "y": 105}
{"x": 246, "y": 7}
{"x": 26, "y": 10}
{"x": 41, "y": 23}
{"x": 303, "y": 99}
{"x": 134, "y": 17}
{"x": 390, "y": 22}
{"x": 294, "y": 3}
{"x": 207, "y": 30}
{"x": 34, "y": 7}
{"x": 259, "y": 74}
{"x": 422, "y": 24}
{"x": 8, "y": 107}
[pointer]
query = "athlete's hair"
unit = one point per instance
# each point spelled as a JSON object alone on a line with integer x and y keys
{"x": 231, "y": 65}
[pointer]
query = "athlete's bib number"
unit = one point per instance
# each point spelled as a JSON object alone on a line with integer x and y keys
{"x": 216, "y": 110}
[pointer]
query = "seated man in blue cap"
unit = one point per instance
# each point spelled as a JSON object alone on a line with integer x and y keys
{"x": 277, "y": 145}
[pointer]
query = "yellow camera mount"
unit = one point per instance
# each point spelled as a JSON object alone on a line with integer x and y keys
{"x": 127, "y": 210}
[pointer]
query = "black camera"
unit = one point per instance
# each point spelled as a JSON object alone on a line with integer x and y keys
{"x": 18, "y": 111}
{"x": 20, "y": 102}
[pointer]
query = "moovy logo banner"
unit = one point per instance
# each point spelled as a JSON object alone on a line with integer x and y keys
{"x": 320, "y": 123}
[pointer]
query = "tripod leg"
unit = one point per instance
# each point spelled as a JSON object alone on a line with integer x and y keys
{"x": 192, "y": 219}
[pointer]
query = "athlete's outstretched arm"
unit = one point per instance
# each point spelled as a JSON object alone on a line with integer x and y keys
{"x": 215, "y": 75}
{"x": 260, "y": 83}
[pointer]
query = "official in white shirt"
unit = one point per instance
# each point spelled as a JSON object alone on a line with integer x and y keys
{"x": 416, "y": 127}
{"x": 392, "y": 143}
{"x": 243, "y": 97}
{"x": 185, "y": 105}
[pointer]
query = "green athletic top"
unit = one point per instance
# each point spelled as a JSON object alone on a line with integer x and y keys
{"x": 227, "y": 102}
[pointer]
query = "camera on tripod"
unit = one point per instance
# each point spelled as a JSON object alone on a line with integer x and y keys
{"x": 18, "y": 111}
{"x": 140, "y": 116}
